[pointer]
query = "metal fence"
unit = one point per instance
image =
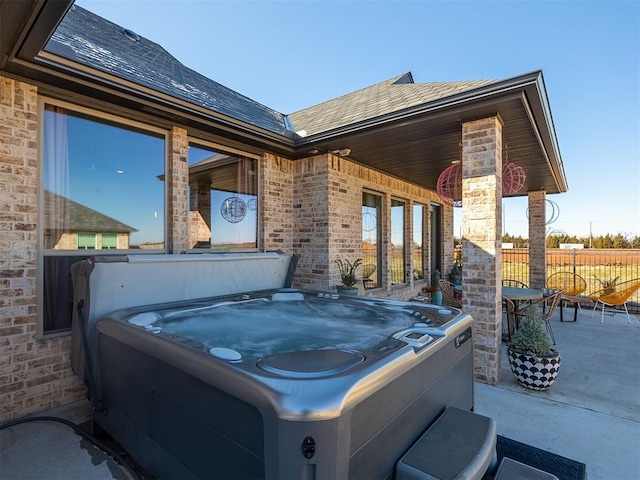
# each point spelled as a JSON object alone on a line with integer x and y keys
{"x": 596, "y": 266}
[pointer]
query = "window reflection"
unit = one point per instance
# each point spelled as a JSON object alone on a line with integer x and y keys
{"x": 223, "y": 200}
{"x": 418, "y": 242}
{"x": 371, "y": 240}
{"x": 101, "y": 180}
{"x": 102, "y": 191}
{"x": 398, "y": 261}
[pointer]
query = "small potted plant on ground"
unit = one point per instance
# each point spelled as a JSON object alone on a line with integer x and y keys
{"x": 455, "y": 276}
{"x": 608, "y": 286}
{"x": 348, "y": 278}
{"x": 436, "y": 293}
{"x": 532, "y": 360}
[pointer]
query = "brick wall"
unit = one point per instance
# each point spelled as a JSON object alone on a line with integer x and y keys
{"x": 310, "y": 234}
{"x": 537, "y": 239}
{"x": 327, "y": 218}
{"x": 178, "y": 191}
{"x": 34, "y": 374}
{"x": 482, "y": 228}
{"x": 276, "y": 205}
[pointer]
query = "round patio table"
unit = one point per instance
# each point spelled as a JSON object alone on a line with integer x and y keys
{"x": 517, "y": 295}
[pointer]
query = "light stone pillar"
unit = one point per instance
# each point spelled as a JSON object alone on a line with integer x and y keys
{"x": 178, "y": 191}
{"x": 537, "y": 239}
{"x": 482, "y": 241}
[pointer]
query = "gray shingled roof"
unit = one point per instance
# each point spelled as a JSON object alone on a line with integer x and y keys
{"x": 386, "y": 97}
{"x": 98, "y": 43}
{"x": 95, "y": 42}
{"x": 78, "y": 218}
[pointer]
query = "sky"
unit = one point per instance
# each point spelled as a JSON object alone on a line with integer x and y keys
{"x": 290, "y": 55}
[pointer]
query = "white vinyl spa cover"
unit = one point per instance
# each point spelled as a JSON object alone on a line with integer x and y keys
{"x": 106, "y": 284}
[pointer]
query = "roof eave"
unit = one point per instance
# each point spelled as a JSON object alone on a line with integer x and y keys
{"x": 457, "y": 101}
{"x": 528, "y": 88}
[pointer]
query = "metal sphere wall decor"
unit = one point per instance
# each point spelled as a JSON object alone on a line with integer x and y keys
{"x": 552, "y": 213}
{"x": 513, "y": 176}
{"x": 233, "y": 209}
{"x": 449, "y": 186}
{"x": 369, "y": 222}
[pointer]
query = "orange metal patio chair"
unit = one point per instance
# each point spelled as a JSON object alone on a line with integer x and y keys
{"x": 571, "y": 283}
{"x": 367, "y": 271}
{"x": 615, "y": 296}
{"x": 574, "y": 286}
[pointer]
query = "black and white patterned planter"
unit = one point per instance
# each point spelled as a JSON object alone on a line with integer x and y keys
{"x": 536, "y": 372}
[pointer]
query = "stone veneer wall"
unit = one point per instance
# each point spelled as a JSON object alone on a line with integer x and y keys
{"x": 327, "y": 211}
{"x": 310, "y": 234}
{"x": 34, "y": 374}
{"x": 178, "y": 191}
{"x": 482, "y": 241}
{"x": 537, "y": 239}
{"x": 276, "y": 204}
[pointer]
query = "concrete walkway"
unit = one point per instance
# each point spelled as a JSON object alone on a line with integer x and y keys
{"x": 591, "y": 414}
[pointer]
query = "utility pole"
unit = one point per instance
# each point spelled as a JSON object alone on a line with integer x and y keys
{"x": 590, "y": 235}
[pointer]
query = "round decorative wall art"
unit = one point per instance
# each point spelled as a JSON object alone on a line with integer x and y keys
{"x": 233, "y": 209}
{"x": 449, "y": 185}
{"x": 369, "y": 222}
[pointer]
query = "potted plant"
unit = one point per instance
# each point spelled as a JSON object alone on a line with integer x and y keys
{"x": 608, "y": 286}
{"x": 348, "y": 278}
{"x": 532, "y": 360}
{"x": 455, "y": 276}
{"x": 436, "y": 293}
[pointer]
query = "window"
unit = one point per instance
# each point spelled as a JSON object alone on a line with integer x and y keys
{"x": 417, "y": 247}
{"x": 398, "y": 260}
{"x": 109, "y": 241}
{"x": 102, "y": 189}
{"x": 371, "y": 240}
{"x": 223, "y": 200}
{"x": 86, "y": 241}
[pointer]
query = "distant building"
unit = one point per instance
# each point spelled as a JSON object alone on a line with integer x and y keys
{"x": 72, "y": 226}
{"x": 571, "y": 246}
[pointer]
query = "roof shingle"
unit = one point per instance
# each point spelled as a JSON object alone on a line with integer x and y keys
{"x": 385, "y": 97}
{"x": 98, "y": 43}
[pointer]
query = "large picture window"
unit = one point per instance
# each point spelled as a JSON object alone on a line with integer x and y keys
{"x": 223, "y": 210}
{"x": 398, "y": 260}
{"x": 371, "y": 240}
{"x": 102, "y": 190}
{"x": 417, "y": 247}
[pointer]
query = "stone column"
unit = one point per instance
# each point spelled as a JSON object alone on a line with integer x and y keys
{"x": 178, "y": 191}
{"x": 537, "y": 239}
{"x": 482, "y": 241}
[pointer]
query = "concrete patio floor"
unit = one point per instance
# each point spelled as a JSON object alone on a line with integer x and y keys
{"x": 591, "y": 414}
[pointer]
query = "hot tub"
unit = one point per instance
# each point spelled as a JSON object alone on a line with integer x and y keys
{"x": 278, "y": 383}
{"x": 212, "y": 366}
